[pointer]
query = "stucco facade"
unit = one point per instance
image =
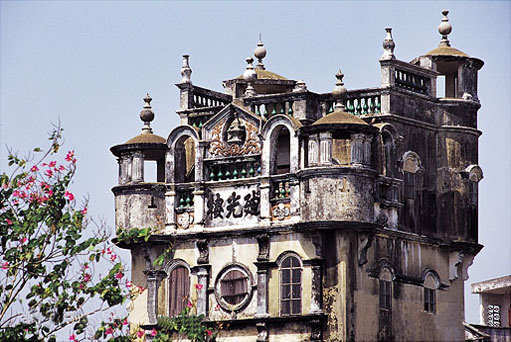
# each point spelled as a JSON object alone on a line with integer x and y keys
{"x": 341, "y": 216}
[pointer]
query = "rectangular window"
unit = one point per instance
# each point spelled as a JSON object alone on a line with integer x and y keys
{"x": 385, "y": 319}
{"x": 385, "y": 295}
{"x": 429, "y": 300}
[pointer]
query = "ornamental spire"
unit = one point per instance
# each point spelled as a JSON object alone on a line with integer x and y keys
{"x": 186, "y": 71}
{"x": 444, "y": 29}
{"x": 339, "y": 92}
{"x": 388, "y": 46}
{"x": 250, "y": 76}
{"x": 260, "y": 53}
{"x": 147, "y": 115}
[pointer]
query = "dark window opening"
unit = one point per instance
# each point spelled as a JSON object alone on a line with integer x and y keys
{"x": 385, "y": 316}
{"x": 429, "y": 300}
{"x": 290, "y": 287}
{"x": 179, "y": 290}
{"x": 184, "y": 162}
{"x": 234, "y": 287}
{"x": 282, "y": 153}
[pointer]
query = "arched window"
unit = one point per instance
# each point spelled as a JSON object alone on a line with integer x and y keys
{"x": 184, "y": 160}
{"x": 385, "y": 305}
{"x": 430, "y": 286}
{"x": 281, "y": 152}
{"x": 290, "y": 286}
{"x": 179, "y": 289}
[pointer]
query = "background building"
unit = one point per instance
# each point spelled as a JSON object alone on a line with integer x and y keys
{"x": 495, "y": 311}
{"x": 349, "y": 215}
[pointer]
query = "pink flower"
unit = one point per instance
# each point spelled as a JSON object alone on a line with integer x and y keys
{"x": 72, "y": 337}
{"x": 108, "y": 251}
{"x": 85, "y": 266}
{"x": 141, "y": 289}
{"x": 84, "y": 211}
{"x": 62, "y": 168}
{"x": 153, "y": 332}
{"x": 125, "y": 322}
{"x": 52, "y": 164}
{"x": 5, "y": 185}
{"x": 9, "y": 222}
{"x": 128, "y": 283}
{"x": 112, "y": 257}
{"x": 81, "y": 286}
{"x": 119, "y": 275}
{"x": 209, "y": 332}
{"x": 16, "y": 193}
{"x": 49, "y": 173}
{"x": 189, "y": 304}
{"x": 50, "y": 192}
{"x": 5, "y": 265}
{"x": 69, "y": 195}
{"x": 69, "y": 155}
{"x": 35, "y": 169}
{"x": 217, "y": 307}
{"x": 86, "y": 277}
{"x": 198, "y": 286}
{"x": 109, "y": 331}
{"x": 140, "y": 333}
{"x": 23, "y": 240}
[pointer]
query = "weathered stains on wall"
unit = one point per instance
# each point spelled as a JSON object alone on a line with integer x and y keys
{"x": 343, "y": 198}
{"x": 140, "y": 210}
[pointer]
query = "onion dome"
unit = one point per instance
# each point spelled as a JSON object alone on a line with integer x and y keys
{"x": 147, "y": 136}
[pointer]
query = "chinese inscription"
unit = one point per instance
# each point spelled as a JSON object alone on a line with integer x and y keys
{"x": 233, "y": 207}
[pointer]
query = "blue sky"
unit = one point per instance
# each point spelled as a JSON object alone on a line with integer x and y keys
{"x": 89, "y": 64}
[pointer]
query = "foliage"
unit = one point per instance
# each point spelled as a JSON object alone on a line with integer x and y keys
{"x": 185, "y": 324}
{"x": 49, "y": 254}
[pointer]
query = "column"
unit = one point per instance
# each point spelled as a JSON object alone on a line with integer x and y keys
{"x": 170, "y": 213}
{"x": 202, "y": 272}
{"x": 137, "y": 167}
{"x": 265, "y": 201}
{"x": 262, "y": 264}
{"x": 313, "y": 150}
{"x": 325, "y": 143}
{"x": 198, "y": 208}
{"x": 153, "y": 278}
{"x": 357, "y": 149}
{"x": 367, "y": 150}
{"x": 316, "y": 288}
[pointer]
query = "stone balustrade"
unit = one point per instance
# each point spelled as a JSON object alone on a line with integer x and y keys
{"x": 217, "y": 171}
{"x": 411, "y": 81}
{"x": 266, "y": 110}
{"x": 280, "y": 190}
{"x": 184, "y": 200}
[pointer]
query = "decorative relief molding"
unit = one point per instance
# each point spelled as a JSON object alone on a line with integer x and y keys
{"x": 281, "y": 211}
{"x": 218, "y": 147}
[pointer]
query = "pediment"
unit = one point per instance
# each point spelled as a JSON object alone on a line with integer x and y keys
{"x": 234, "y": 131}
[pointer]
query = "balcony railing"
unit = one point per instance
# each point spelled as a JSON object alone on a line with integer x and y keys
{"x": 266, "y": 110}
{"x": 184, "y": 200}
{"x": 280, "y": 188}
{"x": 232, "y": 169}
{"x": 412, "y": 82}
{"x": 202, "y": 98}
{"x": 357, "y": 102}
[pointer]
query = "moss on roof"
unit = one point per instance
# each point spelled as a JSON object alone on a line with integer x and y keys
{"x": 265, "y": 75}
{"x": 147, "y": 138}
{"x": 340, "y": 117}
{"x": 446, "y": 51}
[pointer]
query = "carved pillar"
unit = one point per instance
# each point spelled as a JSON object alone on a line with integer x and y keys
{"x": 202, "y": 272}
{"x": 137, "y": 167}
{"x": 170, "y": 213}
{"x": 198, "y": 208}
{"x": 367, "y": 150}
{"x": 265, "y": 201}
{"x": 316, "y": 288}
{"x": 200, "y": 152}
{"x": 313, "y": 150}
{"x": 294, "y": 196}
{"x": 357, "y": 149}
{"x": 153, "y": 278}
{"x": 263, "y": 242}
{"x": 325, "y": 144}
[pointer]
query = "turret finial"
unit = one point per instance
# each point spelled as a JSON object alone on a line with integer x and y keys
{"x": 260, "y": 53}
{"x": 339, "y": 92}
{"x": 147, "y": 115}
{"x": 388, "y": 46}
{"x": 444, "y": 29}
{"x": 186, "y": 71}
{"x": 250, "y": 76}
